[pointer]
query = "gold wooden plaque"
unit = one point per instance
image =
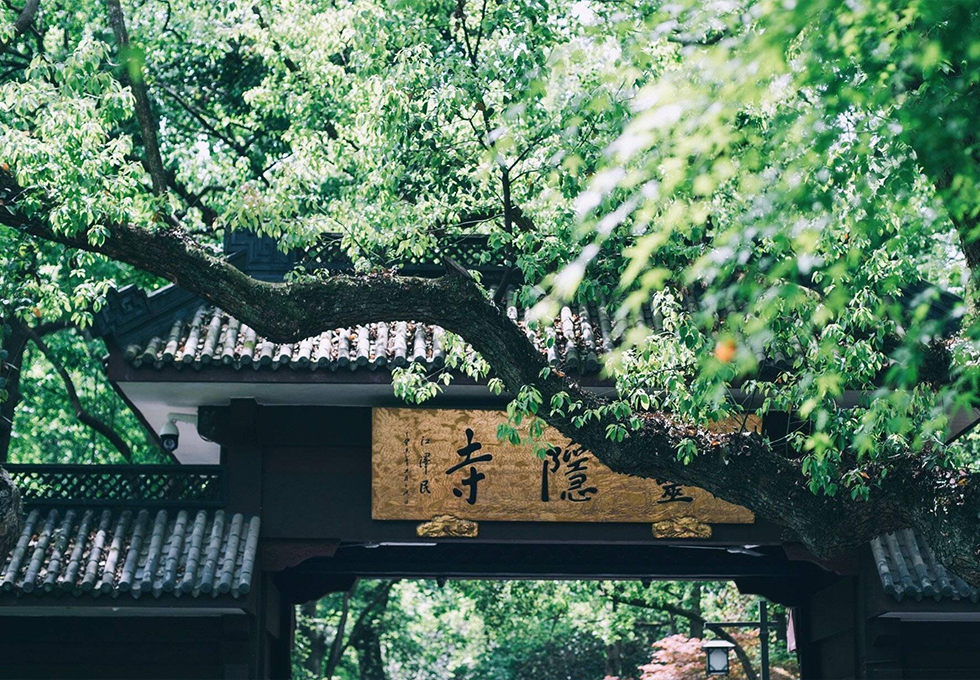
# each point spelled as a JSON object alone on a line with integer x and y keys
{"x": 428, "y": 462}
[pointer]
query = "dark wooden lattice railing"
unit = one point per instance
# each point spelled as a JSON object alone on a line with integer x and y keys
{"x": 120, "y": 485}
{"x": 471, "y": 252}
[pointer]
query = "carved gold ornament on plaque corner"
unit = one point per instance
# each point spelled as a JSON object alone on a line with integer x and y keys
{"x": 447, "y": 526}
{"x": 681, "y": 527}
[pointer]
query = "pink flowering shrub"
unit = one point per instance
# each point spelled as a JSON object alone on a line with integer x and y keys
{"x": 679, "y": 657}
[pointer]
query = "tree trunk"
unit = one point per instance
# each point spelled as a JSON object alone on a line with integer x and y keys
{"x": 11, "y": 513}
{"x": 14, "y": 346}
{"x": 696, "y": 622}
{"x": 367, "y": 644}
{"x": 11, "y": 510}
{"x": 366, "y": 636}
{"x": 614, "y": 659}
{"x": 21, "y": 23}
{"x": 337, "y": 647}
{"x": 313, "y": 632}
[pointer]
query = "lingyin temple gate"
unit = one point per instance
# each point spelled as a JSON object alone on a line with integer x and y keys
{"x": 297, "y": 472}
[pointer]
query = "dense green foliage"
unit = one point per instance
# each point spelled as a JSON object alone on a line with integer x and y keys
{"x": 802, "y": 176}
{"x": 775, "y": 178}
{"x": 511, "y": 630}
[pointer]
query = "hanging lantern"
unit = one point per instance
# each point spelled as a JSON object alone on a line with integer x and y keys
{"x": 716, "y": 656}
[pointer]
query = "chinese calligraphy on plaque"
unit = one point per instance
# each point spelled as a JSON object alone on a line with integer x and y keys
{"x": 430, "y": 462}
{"x": 572, "y": 464}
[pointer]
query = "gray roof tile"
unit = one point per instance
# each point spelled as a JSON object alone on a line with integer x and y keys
{"x": 113, "y": 552}
{"x": 578, "y": 338}
{"x": 908, "y": 568}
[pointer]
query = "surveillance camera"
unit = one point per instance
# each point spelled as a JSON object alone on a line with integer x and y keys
{"x": 169, "y": 436}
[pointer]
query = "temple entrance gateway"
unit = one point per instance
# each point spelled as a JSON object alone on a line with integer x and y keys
{"x": 212, "y": 559}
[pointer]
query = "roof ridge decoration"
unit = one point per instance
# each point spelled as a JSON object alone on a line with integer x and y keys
{"x": 908, "y": 568}
{"x": 111, "y": 553}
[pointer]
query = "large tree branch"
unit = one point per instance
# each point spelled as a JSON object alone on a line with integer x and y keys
{"x": 84, "y": 416}
{"x": 144, "y": 114}
{"x": 22, "y": 22}
{"x": 739, "y": 467}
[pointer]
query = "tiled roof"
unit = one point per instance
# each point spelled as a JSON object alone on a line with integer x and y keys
{"x": 132, "y": 553}
{"x": 582, "y": 334}
{"x": 908, "y": 569}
